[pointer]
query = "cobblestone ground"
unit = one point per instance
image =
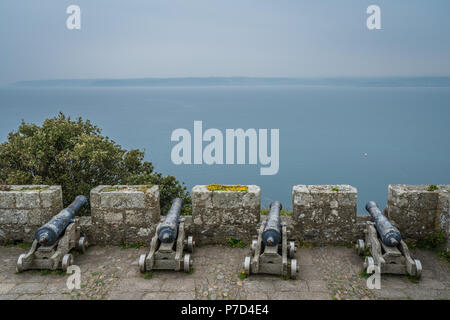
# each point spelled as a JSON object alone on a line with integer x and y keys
{"x": 325, "y": 273}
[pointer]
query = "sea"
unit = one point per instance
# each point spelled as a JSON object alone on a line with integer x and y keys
{"x": 367, "y": 137}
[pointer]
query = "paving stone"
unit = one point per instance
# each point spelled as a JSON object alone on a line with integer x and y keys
{"x": 328, "y": 272}
{"x": 6, "y": 287}
{"x": 317, "y": 285}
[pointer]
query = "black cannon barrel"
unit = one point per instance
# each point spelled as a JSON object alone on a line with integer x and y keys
{"x": 388, "y": 233}
{"x": 52, "y": 230}
{"x": 272, "y": 235}
{"x": 168, "y": 230}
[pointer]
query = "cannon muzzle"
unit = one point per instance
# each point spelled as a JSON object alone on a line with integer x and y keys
{"x": 272, "y": 232}
{"x": 52, "y": 230}
{"x": 168, "y": 229}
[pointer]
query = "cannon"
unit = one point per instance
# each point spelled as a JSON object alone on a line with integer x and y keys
{"x": 387, "y": 249}
{"x": 168, "y": 245}
{"x": 270, "y": 252}
{"x": 54, "y": 241}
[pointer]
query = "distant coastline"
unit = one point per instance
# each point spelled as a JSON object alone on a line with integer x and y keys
{"x": 242, "y": 81}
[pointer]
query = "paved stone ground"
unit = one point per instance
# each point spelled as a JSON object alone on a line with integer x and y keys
{"x": 325, "y": 273}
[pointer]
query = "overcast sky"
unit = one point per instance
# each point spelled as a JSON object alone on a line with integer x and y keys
{"x": 177, "y": 38}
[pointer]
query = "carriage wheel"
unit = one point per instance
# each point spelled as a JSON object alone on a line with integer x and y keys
{"x": 19, "y": 266}
{"x": 190, "y": 244}
{"x": 67, "y": 261}
{"x": 294, "y": 268}
{"x": 141, "y": 263}
{"x": 247, "y": 265}
{"x": 360, "y": 246}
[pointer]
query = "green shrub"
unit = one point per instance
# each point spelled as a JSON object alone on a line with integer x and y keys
{"x": 432, "y": 187}
{"x": 74, "y": 154}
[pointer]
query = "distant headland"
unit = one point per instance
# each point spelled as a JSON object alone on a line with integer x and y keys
{"x": 243, "y": 81}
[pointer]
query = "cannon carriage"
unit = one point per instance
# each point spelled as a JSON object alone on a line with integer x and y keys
{"x": 168, "y": 245}
{"x": 271, "y": 252}
{"x": 54, "y": 241}
{"x": 388, "y": 250}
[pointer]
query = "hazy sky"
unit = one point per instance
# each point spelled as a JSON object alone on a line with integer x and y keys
{"x": 176, "y": 38}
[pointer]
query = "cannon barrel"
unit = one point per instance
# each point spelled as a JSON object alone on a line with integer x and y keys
{"x": 272, "y": 235}
{"x": 389, "y": 234}
{"x": 52, "y": 230}
{"x": 168, "y": 229}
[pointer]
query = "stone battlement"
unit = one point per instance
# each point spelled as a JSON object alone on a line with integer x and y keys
{"x": 322, "y": 214}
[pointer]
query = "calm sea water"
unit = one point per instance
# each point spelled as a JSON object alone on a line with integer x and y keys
{"x": 324, "y": 131}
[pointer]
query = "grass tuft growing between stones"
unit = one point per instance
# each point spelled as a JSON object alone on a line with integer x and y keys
{"x": 444, "y": 254}
{"x": 235, "y": 243}
{"x": 283, "y": 212}
{"x": 432, "y": 187}
{"x": 335, "y": 189}
{"x": 147, "y": 275}
{"x": 412, "y": 279}
{"x": 46, "y": 272}
{"x": 242, "y": 275}
{"x": 364, "y": 274}
{"x": 134, "y": 245}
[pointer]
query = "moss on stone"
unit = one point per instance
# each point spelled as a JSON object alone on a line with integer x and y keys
{"x": 123, "y": 188}
{"x": 223, "y": 187}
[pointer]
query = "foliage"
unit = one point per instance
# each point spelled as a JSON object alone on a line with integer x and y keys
{"x": 74, "y": 154}
{"x": 234, "y": 243}
{"x": 432, "y": 187}
{"x": 432, "y": 240}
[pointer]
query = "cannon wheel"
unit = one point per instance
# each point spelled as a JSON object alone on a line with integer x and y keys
{"x": 293, "y": 268}
{"x": 368, "y": 262}
{"x": 360, "y": 246}
{"x": 247, "y": 265}
{"x": 418, "y": 268}
{"x": 190, "y": 244}
{"x": 67, "y": 261}
{"x": 82, "y": 244}
{"x": 187, "y": 262}
{"x": 291, "y": 249}
{"x": 19, "y": 266}
{"x": 141, "y": 263}
{"x": 253, "y": 246}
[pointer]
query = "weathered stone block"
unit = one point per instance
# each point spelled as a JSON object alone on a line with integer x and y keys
{"x": 124, "y": 214}
{"x": 24, "y": 208}
{"x": 217, "y": 215}
{"x": 325, "y": 213}
{"x": 417, "y": 211}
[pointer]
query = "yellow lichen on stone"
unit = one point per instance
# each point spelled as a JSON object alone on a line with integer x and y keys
{"x": 223, "y": 187}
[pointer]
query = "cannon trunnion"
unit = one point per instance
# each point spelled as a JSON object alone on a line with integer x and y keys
{"x": 54, "y": 241}
{"x": 391, "y": 259}
{"x": 270, "y": 252}
{"x": 168, "y": 244}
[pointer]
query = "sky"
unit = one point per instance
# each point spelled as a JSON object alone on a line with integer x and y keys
{"x": 207, "y": 38}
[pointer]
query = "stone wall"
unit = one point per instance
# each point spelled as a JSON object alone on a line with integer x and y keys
{"x": 419, "y": 212}
{"x": 123, "y": 214}
{"x": 444, "y": 214}
{"x": 25, "y": 208}
{"x": 325, "y": 213}
{"x": 217, "y": 215}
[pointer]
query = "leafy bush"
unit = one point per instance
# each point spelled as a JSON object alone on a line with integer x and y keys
{"x": 76, "y": 156}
